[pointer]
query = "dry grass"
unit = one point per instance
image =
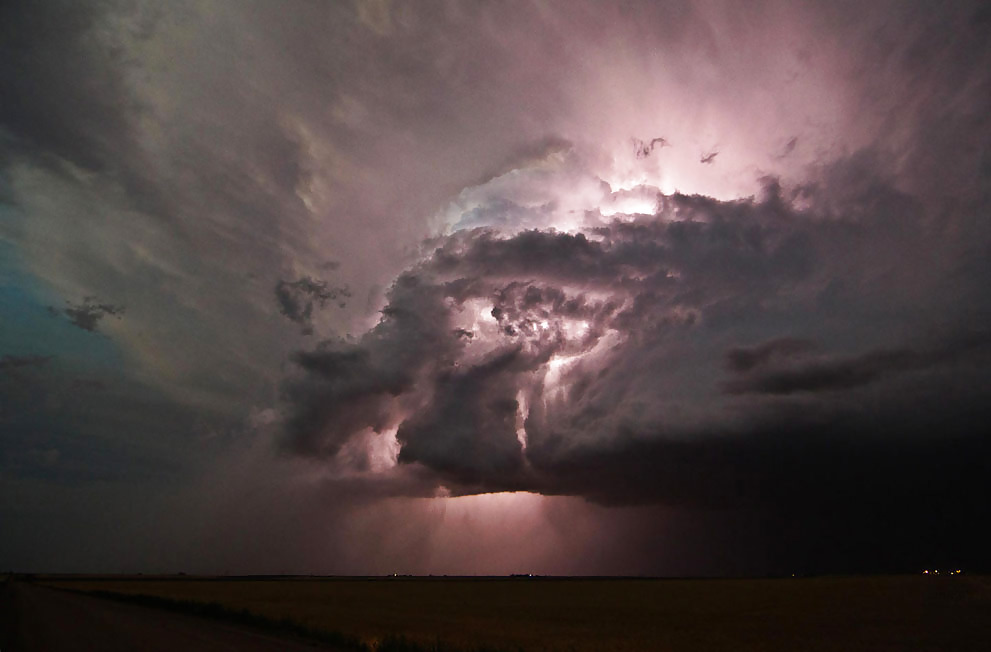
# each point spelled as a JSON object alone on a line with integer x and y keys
{"x": 873, "y": 613}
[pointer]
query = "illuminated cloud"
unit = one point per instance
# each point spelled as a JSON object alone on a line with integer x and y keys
{"x": 719, "y": 266}
{"x": 527, "y": 359}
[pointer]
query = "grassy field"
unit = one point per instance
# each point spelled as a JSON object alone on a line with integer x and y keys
{"x": 856, "y": 613}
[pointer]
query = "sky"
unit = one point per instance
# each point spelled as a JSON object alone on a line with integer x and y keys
{"x": 556, "y": 287}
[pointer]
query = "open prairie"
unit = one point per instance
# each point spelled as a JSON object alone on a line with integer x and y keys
{"x": 544, "y": 614}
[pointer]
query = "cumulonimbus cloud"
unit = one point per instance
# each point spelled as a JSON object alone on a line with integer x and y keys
{"x": 576, "y": 327}
{"x": 647, "y": 357}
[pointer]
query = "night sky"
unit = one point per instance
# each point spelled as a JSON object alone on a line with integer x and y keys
{"x": 564, "y": 287}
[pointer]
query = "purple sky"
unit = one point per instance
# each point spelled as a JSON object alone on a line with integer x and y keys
{"x": 464, "y": 287}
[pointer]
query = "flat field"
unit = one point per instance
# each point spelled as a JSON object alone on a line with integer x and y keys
{"x": 545, "y": 614}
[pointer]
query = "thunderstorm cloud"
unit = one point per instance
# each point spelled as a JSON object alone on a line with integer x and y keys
{"x": 657, "y": 341}
{"x": 708, "y": 281}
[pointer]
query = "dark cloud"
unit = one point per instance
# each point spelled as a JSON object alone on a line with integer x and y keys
{"x": 644, "y": 149}
{"x": 298, "y": 298}
{"x": 786, "y": 365}
{"x": 846, "y": 494}
{"x": 11, "y": 363}
{"x": 476, "y": 409}
{"x": 789, "y": 147}
{"x": 88, "y": 314}
{"x": 70, "y": 98}
{"x": 464, "y": 332}
{"x": 354, "y": 386}
{"x": 741, "y": 359}
{"x": 827, "y": 374}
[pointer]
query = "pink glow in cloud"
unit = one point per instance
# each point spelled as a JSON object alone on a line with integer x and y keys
{"x": 401, "y": 282}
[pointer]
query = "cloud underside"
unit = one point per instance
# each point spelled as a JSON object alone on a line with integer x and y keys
{"x": 714, "y": 353}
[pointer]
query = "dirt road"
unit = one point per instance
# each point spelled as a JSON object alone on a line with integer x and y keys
{"x": 36, "y": 619}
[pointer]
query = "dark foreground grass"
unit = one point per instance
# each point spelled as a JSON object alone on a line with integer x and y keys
{"x": 585, "y": 615}
{"x": 287, "y": 627}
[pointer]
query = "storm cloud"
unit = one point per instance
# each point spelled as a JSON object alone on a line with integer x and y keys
{"x": 625, "y": 337}
{"x": 713, "y": 275}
